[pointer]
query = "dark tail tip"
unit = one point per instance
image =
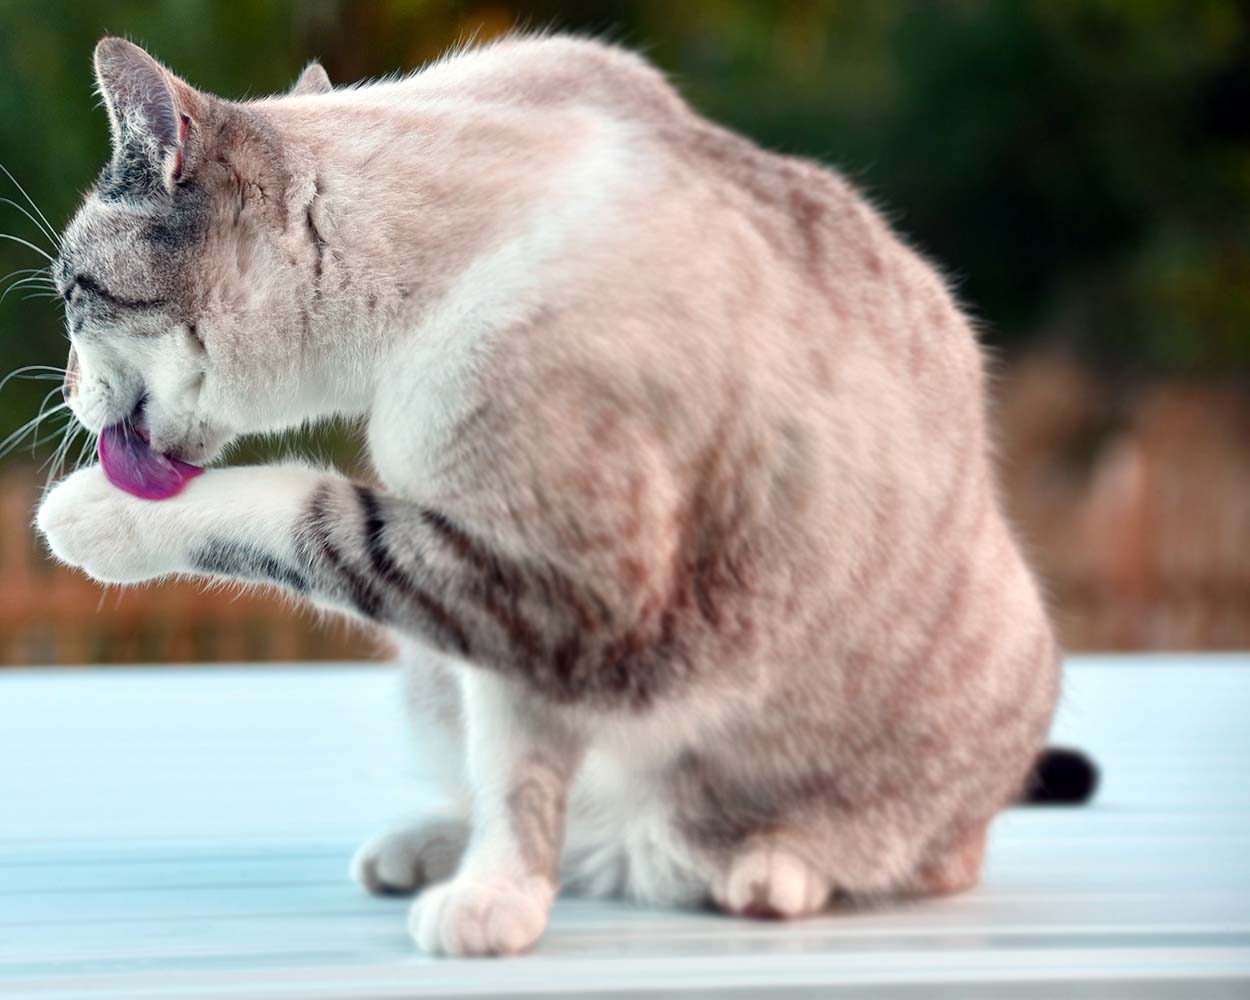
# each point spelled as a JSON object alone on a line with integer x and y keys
{"x": 1061, "y": 777}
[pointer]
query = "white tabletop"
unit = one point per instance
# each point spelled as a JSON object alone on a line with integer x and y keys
{"x": 185, "y": 833}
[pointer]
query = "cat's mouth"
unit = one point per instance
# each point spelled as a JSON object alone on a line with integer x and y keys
{"x": 130, "y": 463}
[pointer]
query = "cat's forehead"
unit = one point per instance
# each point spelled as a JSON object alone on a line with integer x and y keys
{"x": 105, "y": 240}
{"x": 100, "y": 219}
{"x": 152, "y": 240}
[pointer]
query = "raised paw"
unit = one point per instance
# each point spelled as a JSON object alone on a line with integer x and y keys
{"x": 110, "y": 535}
{"x": 772, "y": 883}
{"x": 468, "y": 917}
{"x": 403, "y": 860}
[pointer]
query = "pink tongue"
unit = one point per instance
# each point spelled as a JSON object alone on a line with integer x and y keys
{"x": 132, "y": 466}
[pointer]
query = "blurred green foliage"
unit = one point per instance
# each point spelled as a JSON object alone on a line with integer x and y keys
{"x": 1081, "y": 168}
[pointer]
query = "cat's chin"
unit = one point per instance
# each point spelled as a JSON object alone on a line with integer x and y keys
{"x": 206, "y": 454}
{"x": 201, "y": 449}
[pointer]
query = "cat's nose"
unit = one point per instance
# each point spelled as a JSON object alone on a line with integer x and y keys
{"x": 70, "y": 384}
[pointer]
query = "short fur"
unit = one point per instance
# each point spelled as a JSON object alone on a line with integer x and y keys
{"x": 688, "y": 527}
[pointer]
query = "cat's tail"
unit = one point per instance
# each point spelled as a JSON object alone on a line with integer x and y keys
{"x": 1061, "y": 776}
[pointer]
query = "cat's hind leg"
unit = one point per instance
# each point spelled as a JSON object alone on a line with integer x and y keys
{"x": 769, "y": 878}
{"x": 954, "y": 866}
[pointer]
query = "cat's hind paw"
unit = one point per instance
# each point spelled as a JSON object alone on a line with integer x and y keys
{"x": 770, "y": 882}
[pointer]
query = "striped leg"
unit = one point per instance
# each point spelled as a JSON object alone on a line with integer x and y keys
{"x": 401, "y": 564}
{"x": 545, "y": 640}
{"x": 380, "y": 557}
{"x": 414, "y": 568}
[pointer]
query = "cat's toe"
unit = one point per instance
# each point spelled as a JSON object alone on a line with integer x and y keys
{"x": 468, "y": 917}
{"x": 403, "y": 860}
{"x": 771, "y": 882}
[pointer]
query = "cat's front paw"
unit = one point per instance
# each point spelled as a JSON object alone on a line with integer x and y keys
{"x": 405, "y": 859}
{"x": 90, "y": 524}
{"x": 470, "y": 917}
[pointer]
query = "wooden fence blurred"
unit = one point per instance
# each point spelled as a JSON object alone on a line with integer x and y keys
{"x": 1134, "y": 502}
{"x": 1135, "y": 506}
{"x": 51, "y": 615}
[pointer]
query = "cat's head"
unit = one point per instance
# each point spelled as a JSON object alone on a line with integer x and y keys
{"x": 188, "y": 271}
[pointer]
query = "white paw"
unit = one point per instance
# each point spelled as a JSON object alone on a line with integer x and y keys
{"x": 403, "y": 860}
{"x": 91, "y": 524}
{"x": 477, "y": 917}
{"x": 771, "y": 882}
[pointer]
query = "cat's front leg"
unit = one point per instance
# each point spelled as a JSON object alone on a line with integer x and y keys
{"x": 396, "y": 563}
{"x": 237, "y": 522}
{"x": 521, "y": 759}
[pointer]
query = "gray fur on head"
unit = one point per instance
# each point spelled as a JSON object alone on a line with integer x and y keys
{"x": 189, "y": 261}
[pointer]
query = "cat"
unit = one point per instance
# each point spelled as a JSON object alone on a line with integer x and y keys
{"x": 688, "y": 525}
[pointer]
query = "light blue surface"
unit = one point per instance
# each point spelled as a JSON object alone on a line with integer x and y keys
{"x": 176, "y": 832}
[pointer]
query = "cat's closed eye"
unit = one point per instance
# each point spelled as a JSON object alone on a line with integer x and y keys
{"x": 83, "y": 284}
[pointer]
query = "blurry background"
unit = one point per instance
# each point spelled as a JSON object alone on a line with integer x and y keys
{"x": 1080, "y": 168}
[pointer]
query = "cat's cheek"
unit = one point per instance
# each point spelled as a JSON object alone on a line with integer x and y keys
{"x": 90, "y": 524}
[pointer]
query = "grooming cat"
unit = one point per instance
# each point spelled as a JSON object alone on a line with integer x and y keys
{"x": 688, "y": 525}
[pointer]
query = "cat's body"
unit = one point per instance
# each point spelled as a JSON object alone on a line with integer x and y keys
{"x": 688, "y": 516}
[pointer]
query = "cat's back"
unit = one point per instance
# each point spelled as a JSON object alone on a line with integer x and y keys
{"x": 721, "y": 216}
{"x": 701, "y": 208}
{"x": 770, "y": 276}
{"x": 544, "y": 72}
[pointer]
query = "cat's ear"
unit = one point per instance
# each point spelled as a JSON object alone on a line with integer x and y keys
{"x": 314, "y": 80}
{"x": 150, "y": 110}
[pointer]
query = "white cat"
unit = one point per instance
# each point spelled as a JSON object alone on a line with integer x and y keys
{"x": 688, "y": 519}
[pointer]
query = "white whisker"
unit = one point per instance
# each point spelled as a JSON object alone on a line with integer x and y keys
{"x": 33, "y": 274}
{"x": 57, "y": 431}
{"x": 47, "y": 225}
{"x": 48, "y": 395}
{"x": 15, "y": 438}
{"x": 27, "y": 282}
{"x": 34, "y": 422}
{"x": 58, "y": 452}
{"x": 41, "y": 371}
{"x": 27, "y": 243}
{"x": 26, "y": 270}
{"x": 86, "y": 450}
{"x": 33, "y": 284}
{"x": 56, "y": 245}
{"x": 57, "y": 462}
